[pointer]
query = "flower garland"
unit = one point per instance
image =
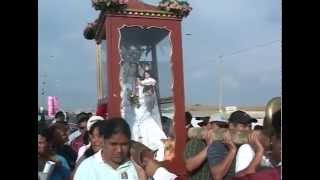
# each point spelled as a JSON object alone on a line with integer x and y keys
{"x": 90, "y": 30}
{"x": 109, "y": 5}
{"x": 134, "y": 99}
{"x": 179, "y": 7}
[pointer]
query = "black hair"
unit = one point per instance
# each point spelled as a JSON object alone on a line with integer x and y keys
{"x": 188, "y": 117}
{"x": 89, "y": 152}
{"x": 95, "y": 125}
{"x": 89, "y": 114}
{"x": 258, "y": 127}
{"x": 146, "y": 71}
{"x": 222, "y": 124}
{"x": 82, "y": 117}
{"x": 114, "y": 126}
{"x": 59, "y": 114}
{"x": 52, "y": 130}
{"x": 62, "y": 122}
{"x": 204, "y": 119}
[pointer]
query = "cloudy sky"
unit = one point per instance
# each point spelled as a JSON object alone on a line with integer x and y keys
{"x": 246, "y": 33}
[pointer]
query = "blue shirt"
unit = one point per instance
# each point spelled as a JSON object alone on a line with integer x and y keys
{"x": 217, "y": 151}
{"x": 62, "y": 170}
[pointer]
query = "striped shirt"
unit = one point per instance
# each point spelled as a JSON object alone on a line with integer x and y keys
{"x": 193, "y": 147}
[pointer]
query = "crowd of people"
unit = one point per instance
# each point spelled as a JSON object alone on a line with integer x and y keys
{"x": 101, "y": 148}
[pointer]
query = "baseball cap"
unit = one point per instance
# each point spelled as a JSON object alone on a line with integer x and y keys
{"x": 218, "y": 117}
{"x": 195, "y": 122}
{"x": 241, "y": 117}
{"x": 92, "y": 120}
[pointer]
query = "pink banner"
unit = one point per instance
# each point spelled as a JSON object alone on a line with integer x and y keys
{"x": 51, "y": 111}
{"x": 53, "y": 106}
{"x": 56, "y": 104}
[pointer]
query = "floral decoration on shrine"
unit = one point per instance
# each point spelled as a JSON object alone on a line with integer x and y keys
{"x": 178, "y": 7}
{"x": 90, "y": 30}
{"x": 109, "y": 5}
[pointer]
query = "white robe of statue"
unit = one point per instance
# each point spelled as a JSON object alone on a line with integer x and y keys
{"x": 146, "y": 128}
{"x": 145, "y": 124}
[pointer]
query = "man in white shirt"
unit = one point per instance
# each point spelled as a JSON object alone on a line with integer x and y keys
{"x": 247, "y": 152}
{"x": 112, "y": 162}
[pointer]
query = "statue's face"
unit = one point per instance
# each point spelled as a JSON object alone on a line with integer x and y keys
{"x": 146, "y": 75}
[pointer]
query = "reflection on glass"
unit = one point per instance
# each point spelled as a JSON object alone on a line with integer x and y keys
{"x": 103, "y": 67}
{"x": 145, "y": 80}
{"x": 151, "y": 2}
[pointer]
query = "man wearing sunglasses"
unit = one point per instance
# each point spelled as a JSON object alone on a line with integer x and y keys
{"x": 82, "y": 120}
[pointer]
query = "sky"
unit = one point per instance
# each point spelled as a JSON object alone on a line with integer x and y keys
{"x": 245, "y": 34}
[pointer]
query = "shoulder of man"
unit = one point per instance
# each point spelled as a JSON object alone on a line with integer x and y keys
{"x": 216, "y": 153}
{"x": 193, "y": 147}
{"x": 62, "y": 161}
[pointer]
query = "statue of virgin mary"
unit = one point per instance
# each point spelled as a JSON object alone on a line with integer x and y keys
{"x": 139, "y": 105}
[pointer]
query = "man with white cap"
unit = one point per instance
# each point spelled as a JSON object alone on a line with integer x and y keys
{"x": 196, "y": 149}
{"x": 218, "y": 120}
{"x": 221, "y": 154}
{"x": 90, "y": 122}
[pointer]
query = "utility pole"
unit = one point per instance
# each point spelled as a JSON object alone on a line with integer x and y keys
{"x": 220, "y": 83}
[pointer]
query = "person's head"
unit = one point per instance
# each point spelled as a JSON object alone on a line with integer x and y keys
{"x": 59, "y": 116}
{"x": 92, "y": 120}
{"x": 188, "y": 118}
{"x": 58, "y": 134}
{"x": 263, "y": 137}
{"x": 240, "y": 120}
{"x": 95, "y": 138}
{"x": 146, "y": 74}
{"x": 82, "y": 119}
{"x": 116, "y": 134}
{"x": 89, "y": 114}
{"x": 43, "y": 145}
{"x": 217, "y": 120}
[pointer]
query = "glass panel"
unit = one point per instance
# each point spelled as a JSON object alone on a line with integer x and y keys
{"x": 151, "y": 2}
{"x": 104, "y": 69}
{"x": 146, "y": 81}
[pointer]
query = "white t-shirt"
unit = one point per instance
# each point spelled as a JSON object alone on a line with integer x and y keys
{"x": 94, "y": 168}
{"x": 245, "y": 155}
{"x": 163, "y": 174}
{"x": 82, "y": 150}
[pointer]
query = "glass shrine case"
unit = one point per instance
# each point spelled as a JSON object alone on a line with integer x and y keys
{"x": 141, "y": 75}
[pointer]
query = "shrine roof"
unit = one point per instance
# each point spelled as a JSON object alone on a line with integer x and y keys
{"x": 167, "y": 9}
{"x": 138, "y": 8}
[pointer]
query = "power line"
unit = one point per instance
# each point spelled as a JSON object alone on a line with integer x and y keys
{"x": 249, "y": 49}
